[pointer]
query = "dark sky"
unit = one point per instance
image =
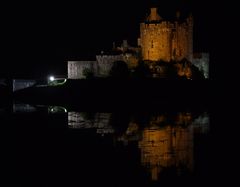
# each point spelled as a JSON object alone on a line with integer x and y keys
{"x": 38, "y": 38}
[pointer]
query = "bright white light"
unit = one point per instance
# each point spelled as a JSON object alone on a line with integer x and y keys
{"x": 51, "y": 78}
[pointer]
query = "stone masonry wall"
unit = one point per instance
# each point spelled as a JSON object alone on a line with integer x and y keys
{"x": 165, "y": 40}
{"x": 76, "y": 68}
{"x": 202, "y": 62}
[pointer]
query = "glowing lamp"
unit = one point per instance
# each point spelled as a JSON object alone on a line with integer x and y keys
{"x": 51, "y": 78}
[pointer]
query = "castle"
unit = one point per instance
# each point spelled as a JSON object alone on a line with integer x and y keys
{"x": 160, "y": 40}
{"x": 165, "y": 40}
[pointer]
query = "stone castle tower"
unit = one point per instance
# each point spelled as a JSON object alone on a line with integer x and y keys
{"x": 165, "y": 40}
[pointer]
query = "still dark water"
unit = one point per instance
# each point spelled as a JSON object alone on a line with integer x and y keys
{"x": 50, "y": 146}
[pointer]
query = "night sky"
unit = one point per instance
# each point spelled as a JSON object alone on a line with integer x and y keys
{"x": 38, "y": 39}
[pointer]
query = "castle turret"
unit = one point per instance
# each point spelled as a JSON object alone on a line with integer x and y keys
{"x": 153, "y": 15}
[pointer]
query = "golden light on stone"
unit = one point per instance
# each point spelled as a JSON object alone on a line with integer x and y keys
{"x": 165, "y": 40}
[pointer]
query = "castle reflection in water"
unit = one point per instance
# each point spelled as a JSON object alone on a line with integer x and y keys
{"x": 166, "y": 141}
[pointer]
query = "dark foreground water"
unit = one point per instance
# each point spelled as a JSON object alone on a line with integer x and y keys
{"x": 50, "y": 146}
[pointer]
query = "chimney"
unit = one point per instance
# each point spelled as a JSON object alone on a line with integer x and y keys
{"x": 114, "y": 46}
{"x": 125, "y": 44}
{"x": 178, "y": 14}
{"x": 154, "y": 15}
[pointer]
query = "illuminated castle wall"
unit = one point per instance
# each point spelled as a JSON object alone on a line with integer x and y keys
{"x": 165, "y": 40}
{"x": 101, "y": 67}
{"x": 76, "y": 68}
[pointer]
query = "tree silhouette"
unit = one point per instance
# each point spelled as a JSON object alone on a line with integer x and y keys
{"x": 142, "y": 70}
{"x": 88, "y": 73}
{"x": 196, "y": 73}
{"x": 119, "y": 70}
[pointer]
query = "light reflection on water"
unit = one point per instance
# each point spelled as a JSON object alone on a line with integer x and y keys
{"x": 165, "y": 148}
{"x": 165, "y": 142}
{"x": 98, "y": 121}
{"x": 27, "y": 108}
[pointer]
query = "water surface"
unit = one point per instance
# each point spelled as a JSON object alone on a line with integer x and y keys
{"x": 48, "y": 146}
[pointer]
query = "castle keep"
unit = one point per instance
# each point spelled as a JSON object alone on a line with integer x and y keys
{"x": 165, "y": 40}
